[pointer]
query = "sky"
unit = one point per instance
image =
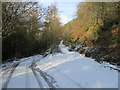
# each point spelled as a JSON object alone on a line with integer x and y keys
{"x": 67, "y": 10}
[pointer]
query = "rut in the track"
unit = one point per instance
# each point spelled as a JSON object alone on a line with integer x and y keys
{"x": 10, "y": 72}
{"x": 36, "y": 75}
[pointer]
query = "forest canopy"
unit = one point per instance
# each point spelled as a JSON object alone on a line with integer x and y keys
{"x": 28, "y": 29}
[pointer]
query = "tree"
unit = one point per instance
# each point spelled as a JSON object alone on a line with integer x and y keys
{"x": 52, "y": 32}
{"x": 93, "y": 18}
{"x": 28, "y": 29}
{"x": 20, "y": 25}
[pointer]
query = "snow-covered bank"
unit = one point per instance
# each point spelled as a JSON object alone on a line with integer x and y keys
{"x": 71, "y": 70}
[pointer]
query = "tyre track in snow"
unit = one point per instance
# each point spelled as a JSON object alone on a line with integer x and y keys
{"x": 35, "y": 74}
{"x": 49, "y": 79}
{"x": 79, "y": 85}
{"x": 10, "y": 72}
{"x": 44, "y": 75}
{"x": 4, "y": 74}
{"x": 20, "y": 75}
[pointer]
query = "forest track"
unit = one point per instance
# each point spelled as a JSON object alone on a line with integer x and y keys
{"x": 10, "y": 72}
{"x": 49, "y": 80}
{"x": 79, "y": 85}
{"x": 3, "y": 74}
{"x": 35, "y": 74}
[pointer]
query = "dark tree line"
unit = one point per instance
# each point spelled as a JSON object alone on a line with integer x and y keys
{"x": 28, "y": 29}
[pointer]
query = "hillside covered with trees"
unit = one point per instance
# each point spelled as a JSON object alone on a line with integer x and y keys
{"x": 29, "y": 29}
{"x": 97, "y": 26}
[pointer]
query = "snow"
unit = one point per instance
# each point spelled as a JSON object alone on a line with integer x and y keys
{"x": 61, "y": 70}
{"x": 72, "y": 70}
{"x": 23, "y": 76}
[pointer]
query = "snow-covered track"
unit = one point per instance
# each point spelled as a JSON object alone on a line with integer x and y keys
{"x": 45, "y": 76}
{"x": 79, "y": 85}
{"x": 9, "y": 72}
{"x": 3, "y": 74}
{"x": 36, "y": 75}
